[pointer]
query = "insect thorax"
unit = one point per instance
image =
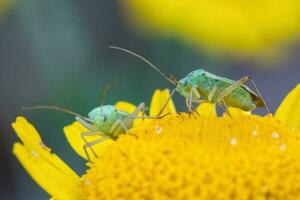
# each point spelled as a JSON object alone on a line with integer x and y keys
{"x": 104, "y": 117}
{"x": 197, "y": 79}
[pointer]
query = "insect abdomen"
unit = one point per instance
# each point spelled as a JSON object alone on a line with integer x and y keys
{"x": 239, "y": 98}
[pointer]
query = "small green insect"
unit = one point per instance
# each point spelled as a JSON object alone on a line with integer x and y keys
{"x": 106, "y": 121}
{"x": 201, "y": 86}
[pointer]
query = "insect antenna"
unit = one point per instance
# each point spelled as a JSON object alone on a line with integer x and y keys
{"x": 106, "y": 89}
{"x": 56, "y": 108}
{"x": 146, "y": 61}
{"x": 173, "y": 78}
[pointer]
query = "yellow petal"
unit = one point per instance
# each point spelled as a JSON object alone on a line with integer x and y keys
{"x": 159, "y": 98}
{"x": 46, "y": 168}
{"x": 237, "y": 112}
{"x": 207, "y": 109}
{"x": 125, "y": 106}
{"x": 289, "y": 109}
{"x": 73, "y": 134}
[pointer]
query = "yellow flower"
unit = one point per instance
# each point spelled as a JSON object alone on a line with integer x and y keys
{"x": 180, "y": 156}
{"x": 243, "y": 27}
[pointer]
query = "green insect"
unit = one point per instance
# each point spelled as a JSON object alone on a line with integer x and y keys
{"x": 106, "y": 121}
{"x": 201, "y": 86}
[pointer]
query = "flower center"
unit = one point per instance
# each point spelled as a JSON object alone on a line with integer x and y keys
{"x": 187, "y": 157}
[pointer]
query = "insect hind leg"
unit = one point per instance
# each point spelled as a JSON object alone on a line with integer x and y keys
{"x": 239, "y": 83}
{"x": 166, "y": 103}
{"x": 259, "y": 94}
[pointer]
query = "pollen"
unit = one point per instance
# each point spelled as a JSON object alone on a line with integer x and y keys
{"x": 199, "y": 157}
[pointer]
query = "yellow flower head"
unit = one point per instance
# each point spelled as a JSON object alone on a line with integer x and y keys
{"x": 189, "y": 157}
{"x": 180, "y": 156}
{"x": 243, "y": 27}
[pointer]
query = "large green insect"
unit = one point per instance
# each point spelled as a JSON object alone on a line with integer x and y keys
{"x": 106, "y": 121}
{"x": 201, "y": 86}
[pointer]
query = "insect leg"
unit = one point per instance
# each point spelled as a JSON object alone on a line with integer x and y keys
{"x": 140, "y": 107}
{"x": 259, "y": 94}
{"x": 232, "y": 87}
{"x": 229, "y": 89}
{"x": 93, "y": 132}
{"x": 83, "y": 135}
{"x": 123, "y": 125}
{"x": 90, "y": 144}
{"x": 190, "y": 101}
{"x": 212, "y": 93}
{"x": 134, "y": 114}
{"x": 166, "y": 103}
{"x": 127, "y": 120}
{"x": 125, "y": 128}
{"x": 192, "y": 98}
{"x": 222, "y": 104}
{"x": 117, "y": 124}
{"x": 226, "y": 110}
{"x": 85, "y": 124}
{"x": 239, "y": 83}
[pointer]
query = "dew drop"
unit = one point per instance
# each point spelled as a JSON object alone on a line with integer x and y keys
{"x": 158, "y": 129}
{"x": 233, "y": 141}
{"x": 87, "y": 182}
{"x": 34, "y": 153}
{"x": 275, "y": 135}
{"x": 254, "y": 133}
{"x": 282, "y": 147}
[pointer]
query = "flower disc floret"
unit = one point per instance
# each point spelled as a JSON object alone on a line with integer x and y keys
{"x": 185, "y": 156}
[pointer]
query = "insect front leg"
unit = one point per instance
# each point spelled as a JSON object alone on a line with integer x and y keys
{"x": 188, "y": 105}
{"x": 90, "y": 144}
{"x": 212, "y": 93}
{"x": 83, "y": 135}
{"x": 85, "y": 124}
{"x": 190, "y": 99}
{"x": 93, "y": 131}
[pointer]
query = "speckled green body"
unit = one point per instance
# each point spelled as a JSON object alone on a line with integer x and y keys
{"x": 242, "y": 97}
{"x": 105, "y": 117}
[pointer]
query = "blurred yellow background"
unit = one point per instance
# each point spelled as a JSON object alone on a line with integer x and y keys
{"x": 245, "y": 28}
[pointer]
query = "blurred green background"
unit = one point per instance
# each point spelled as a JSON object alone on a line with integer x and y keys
{"x": 56, "y": 52}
